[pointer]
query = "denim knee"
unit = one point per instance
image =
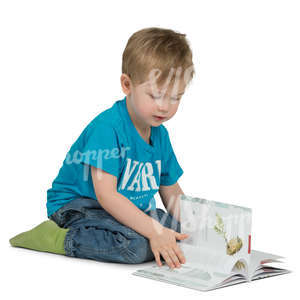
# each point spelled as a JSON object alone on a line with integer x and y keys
{"x": 138, "y": 250}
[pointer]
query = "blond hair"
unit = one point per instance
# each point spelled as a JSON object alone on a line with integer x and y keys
{"x": 157, "y": 49}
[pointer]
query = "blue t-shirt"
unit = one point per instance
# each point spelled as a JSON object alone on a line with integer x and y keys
{"x": 112, "y": 143}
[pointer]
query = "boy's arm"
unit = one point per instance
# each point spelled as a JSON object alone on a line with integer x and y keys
{"x": 170, "y": 198}
{"x": 122, "y": 209}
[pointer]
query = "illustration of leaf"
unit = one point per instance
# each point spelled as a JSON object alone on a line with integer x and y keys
{"x": 240, "y": 265}
{"x": 217, "y": 229}
{"x": 220, "y": 222}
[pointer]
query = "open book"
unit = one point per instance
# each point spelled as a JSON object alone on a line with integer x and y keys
{"x": 218, "y": 250}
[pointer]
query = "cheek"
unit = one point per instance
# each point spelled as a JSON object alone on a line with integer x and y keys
{"x": 145, "y": 108}
{"x": 174, "y": 108}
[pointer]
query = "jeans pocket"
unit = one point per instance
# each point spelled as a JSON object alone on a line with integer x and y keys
{"x": 70, "y": 216}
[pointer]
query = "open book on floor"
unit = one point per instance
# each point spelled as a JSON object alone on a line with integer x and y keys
{"x": 218, "y": 250}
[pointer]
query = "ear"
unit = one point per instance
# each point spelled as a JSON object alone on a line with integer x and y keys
{"x": 126, "y": 84}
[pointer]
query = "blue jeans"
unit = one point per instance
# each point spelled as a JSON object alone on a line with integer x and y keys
{"x": 95, "y": 234}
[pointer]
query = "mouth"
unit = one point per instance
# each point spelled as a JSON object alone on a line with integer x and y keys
{"x": 159, "y": 118}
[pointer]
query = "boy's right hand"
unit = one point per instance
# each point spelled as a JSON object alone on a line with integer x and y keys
{"x": 164, "y": 244}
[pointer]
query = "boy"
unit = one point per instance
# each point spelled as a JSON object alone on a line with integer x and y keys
{"x": 101, "y": 205}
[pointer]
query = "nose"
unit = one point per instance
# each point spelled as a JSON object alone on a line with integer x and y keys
{"x": 163, "y": 105}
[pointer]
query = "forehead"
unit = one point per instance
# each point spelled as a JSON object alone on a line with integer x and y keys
{"x": 173, "y": 88}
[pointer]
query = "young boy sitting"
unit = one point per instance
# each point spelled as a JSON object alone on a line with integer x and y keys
{"x": 101, "y": 205}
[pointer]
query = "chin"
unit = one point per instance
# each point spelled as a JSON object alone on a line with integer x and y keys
{"x": 156, "y": 125}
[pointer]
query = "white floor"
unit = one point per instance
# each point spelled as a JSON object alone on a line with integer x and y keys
{"x": 38, "y": 275}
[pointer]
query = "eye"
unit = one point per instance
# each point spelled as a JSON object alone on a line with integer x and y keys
{"x": 154, "y": 97}
{"x": 158, "y": 97}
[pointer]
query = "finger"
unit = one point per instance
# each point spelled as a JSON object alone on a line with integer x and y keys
{"x": 181, "y": 236}
{"x": 157, "y": 258}
{"x": 180, "y": 254}
{"x": 174, "y": 257}
{"x": 167, "y": 258}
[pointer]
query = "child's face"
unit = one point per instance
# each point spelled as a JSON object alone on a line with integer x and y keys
{"x": 148, "y": 101}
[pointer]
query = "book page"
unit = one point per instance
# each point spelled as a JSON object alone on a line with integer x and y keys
{"x": 258, "y": 267}
{"x": 219, "y": 234}
{"x": 188, "y": 276}
{"x": 210, "y": 261}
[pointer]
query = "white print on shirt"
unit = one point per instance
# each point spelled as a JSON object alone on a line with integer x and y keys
{"x": 144, "y": 172}
{"x": 138, "y": 197}
{"x": 78, "y": 156}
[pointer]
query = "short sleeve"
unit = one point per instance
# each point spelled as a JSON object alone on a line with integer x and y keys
{"x": 101, "y": 149}
{"x": 170, "y": 168}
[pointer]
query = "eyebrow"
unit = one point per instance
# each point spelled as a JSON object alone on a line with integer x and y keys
{"x": 159, "y": 93}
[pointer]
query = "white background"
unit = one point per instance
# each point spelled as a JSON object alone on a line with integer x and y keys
{"x": 236, "y": 133}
